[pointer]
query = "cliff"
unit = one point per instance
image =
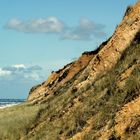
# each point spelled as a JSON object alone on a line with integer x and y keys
{"x": 91, "y": 64}
{"x": 96, "y": 97}
{"x": 100, "y": 89}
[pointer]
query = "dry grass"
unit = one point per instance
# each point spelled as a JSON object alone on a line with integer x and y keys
{"x": 15, "y": 121}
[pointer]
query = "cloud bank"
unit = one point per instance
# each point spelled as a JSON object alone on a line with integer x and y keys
{"x": 48, "y": 25}
{"x": 21, "y": 72}
{"x": 85, "y": 30}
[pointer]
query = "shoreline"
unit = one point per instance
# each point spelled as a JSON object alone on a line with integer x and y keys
{"x": 8, "y": 105}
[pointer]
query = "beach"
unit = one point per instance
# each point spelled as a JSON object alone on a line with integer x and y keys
{"x": 4, "y": 103}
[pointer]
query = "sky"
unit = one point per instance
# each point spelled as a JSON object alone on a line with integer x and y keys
{"x": 40, "y": 36}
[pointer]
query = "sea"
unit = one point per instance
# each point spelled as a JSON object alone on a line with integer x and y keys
{"x": 10, "y": 102}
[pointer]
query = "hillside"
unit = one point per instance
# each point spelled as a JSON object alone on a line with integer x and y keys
{"x": 96, "y": 97}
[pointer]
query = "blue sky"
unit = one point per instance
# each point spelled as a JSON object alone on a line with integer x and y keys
{"x": 38, "y": 36}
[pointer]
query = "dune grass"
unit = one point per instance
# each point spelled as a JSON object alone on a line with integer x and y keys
{"x": 15, "y": 121}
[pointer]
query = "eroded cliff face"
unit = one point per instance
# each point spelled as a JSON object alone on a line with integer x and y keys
{"x": 91, "y": 64}
{"x": 59, "y": 78}
{"x": 97, "y": 96}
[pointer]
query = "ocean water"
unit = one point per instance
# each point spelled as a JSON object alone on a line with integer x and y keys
{"x": 10, "y": 102}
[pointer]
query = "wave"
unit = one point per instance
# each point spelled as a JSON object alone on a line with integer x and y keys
{"x": 10, "y": 102}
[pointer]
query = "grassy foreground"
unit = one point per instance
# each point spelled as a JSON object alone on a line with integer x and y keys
{"x": 16, "y": 120}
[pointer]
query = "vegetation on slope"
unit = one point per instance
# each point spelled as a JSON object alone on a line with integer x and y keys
{"x": 79, "y": 114}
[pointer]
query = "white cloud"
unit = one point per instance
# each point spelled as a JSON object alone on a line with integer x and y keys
{"x": 21, "y": 72}
{"x": 86, "y": 30}
{"x": 33, "y": 76}
{"x": 18, "y": 66}
{"x": 41, "y": 25}
{"x": 4, "y": 73}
